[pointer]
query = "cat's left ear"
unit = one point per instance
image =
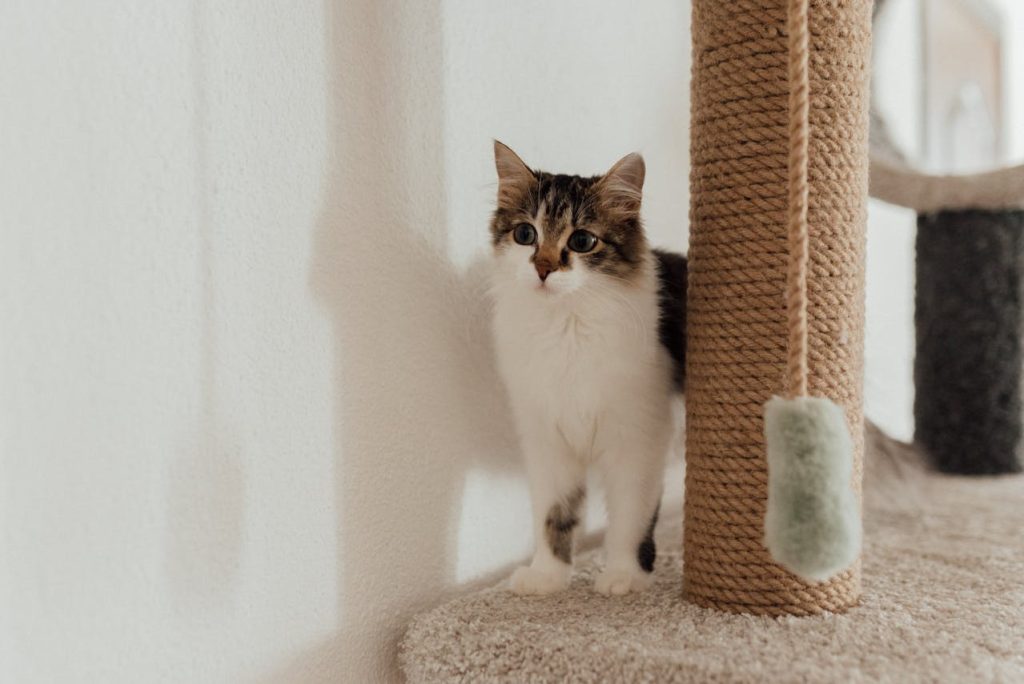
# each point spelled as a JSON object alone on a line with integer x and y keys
{"x": 515, "y": 178}
{"x": 622, "y": 186}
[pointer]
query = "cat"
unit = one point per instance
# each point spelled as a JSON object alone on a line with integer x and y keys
{"x": 589, "y": 325}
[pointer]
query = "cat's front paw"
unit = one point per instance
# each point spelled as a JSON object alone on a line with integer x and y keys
{"x": 616, "y": 582}
{"x": 528, "y": 580}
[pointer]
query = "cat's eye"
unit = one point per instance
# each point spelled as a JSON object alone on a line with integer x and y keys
{"x": 582, "y": 241}
{"x": 524, "y": 234}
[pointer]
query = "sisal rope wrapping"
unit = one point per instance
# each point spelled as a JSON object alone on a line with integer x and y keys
{"x": 796, "y": 221}
{"x": 739, "y": 328}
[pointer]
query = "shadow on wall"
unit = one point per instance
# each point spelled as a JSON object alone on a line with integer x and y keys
{"x": 417, "y": 400}
{"x": 205, "y": 499}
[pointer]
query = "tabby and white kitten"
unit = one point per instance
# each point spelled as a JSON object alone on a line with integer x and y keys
{"x": 589, "y": 325}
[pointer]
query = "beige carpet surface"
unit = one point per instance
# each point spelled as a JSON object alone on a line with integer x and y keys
{"x": 943, "y": 602}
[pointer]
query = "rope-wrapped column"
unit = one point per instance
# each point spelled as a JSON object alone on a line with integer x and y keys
{"x": 737, "y": 331}
{"x": 970, "y": 319}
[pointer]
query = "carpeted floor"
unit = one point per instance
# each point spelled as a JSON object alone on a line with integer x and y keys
{"x": 943, "y": 602}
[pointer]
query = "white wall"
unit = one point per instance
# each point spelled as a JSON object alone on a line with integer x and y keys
{"x": 1012, "y": 14}
{"x": 248, "y": 422}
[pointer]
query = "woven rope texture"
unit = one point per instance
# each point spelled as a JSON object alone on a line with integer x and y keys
{"x": 737, "y": 337}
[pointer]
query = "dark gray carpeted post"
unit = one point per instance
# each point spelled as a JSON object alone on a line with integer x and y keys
{"x": 969, "y": 317}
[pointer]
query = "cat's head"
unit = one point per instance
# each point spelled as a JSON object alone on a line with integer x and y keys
{"x": 556, "y": 234}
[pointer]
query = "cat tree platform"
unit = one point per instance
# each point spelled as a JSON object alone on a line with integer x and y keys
{"x": 943, "y": 600}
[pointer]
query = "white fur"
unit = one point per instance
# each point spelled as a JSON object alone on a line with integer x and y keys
{"x": 590, "y": 385}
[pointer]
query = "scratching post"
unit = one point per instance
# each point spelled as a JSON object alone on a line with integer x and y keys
{"x": 969, "y": 316}
{"x": 969, "y": 308}
{"x": 737, "y": 336}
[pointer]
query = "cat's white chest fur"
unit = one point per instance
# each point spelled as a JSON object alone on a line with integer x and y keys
{"x": 579, "y": 365}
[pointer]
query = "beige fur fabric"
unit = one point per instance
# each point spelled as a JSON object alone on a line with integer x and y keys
{"x": 897, "y": 184}
{"x": 943, "y": 601}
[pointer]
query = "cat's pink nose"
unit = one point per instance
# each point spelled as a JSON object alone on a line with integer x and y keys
{"x": 542, "y": 271}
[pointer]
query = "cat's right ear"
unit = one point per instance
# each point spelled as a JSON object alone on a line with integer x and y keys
{"x": 514, "y": 177}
